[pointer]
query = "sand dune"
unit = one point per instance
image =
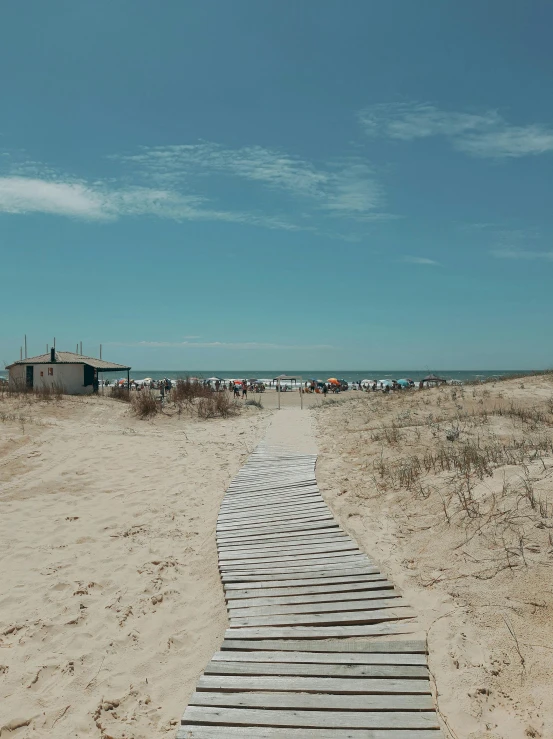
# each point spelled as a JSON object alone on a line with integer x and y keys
{"x": 111, "y": 603}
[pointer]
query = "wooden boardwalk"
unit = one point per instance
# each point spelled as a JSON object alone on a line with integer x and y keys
{"x": 304, "y": 656}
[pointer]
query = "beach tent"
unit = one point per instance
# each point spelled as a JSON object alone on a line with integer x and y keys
{"x": 432, "y": 380}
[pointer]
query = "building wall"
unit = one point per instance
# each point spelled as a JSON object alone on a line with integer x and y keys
{"x": 69, "y": 376}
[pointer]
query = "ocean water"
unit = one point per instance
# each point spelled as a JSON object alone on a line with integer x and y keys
{"x": 348, "y": 375}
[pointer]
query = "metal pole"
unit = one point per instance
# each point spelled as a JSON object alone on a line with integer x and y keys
{"x": 278, "y": 393}
{"x": 301, "y": 393}
{"x": 25, "y": 346}
{"x": 81, "y": 348}
{"x": 100, "y": 351}
{"x": 20, "y": 353}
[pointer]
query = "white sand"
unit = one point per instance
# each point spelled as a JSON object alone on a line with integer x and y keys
{"x": 489, "y": 626}
{"x": 111, "y": 603}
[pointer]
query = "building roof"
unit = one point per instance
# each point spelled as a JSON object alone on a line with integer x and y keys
{"x": 71, "y": 358}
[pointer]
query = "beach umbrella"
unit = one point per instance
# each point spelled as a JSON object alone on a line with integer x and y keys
{"x": 333, "y": 381}
{"x": 403, "y": 383}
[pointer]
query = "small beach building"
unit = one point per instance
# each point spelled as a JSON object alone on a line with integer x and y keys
{"x": 72, "y": 373}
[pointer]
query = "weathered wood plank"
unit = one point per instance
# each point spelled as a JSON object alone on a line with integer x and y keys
{"x": 351, "y": 576}
{"x": 324, "y": 619}
{"x": 318, "y": 632}
{"x": 353, "y": 646}
{"x": 395, "y": 672}
{"x": 318, "y": 560}
{"x": 250, "y": 524}
{"x": 280, "y": 528}
{"x": 315, "y": 719}
{"x": 271, "y": 732}
{"x": 231, "y": 509}
{"x": 367, "y": 583}
{"x": 302, "y": 573}
{"x": 340, "y": 545}
{"x": 328, "y": 658}
{"x": 264, "y": 521}
{"x": 312, "y": 598}
{"x": 336, "y": 685}
{"x": 318, "y": 607}
{"x": 311, "y": 701}
{"x": 284, "y": 536}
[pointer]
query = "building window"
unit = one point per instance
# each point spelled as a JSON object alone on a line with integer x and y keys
{"x": 50, "y": 370}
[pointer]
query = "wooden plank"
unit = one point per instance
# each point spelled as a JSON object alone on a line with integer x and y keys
{"x": 308, "y": 560}
{"x": 395, "y": 672}
{"x": 314, "y": 545}
{"x": 289, "y": 600}
{"x": 313, "y": 719}
{"x": 291, "y": 537}
{"x": 311, "y": 701}
{"x": 309, "y": 540}
{"x": 289, "y": 573}
{"x": 264, "y": 521}
{"x": 314, "y": 684}
{"x": 272, "y": 732}
{"x": 242, "y": 514}
{"x": 311, "y": 547}
{"x": 340, "y": 579}
{"x": 353, "y": 646}
{"x": 277, "y": 528}
{"x": 324, "y": 619}
{"x": 318, "y": 607}
{"x": 318, "y": 558}
{"x": 261, "y": 486}
{"x": 329, "y": 658}
{"x": 318, "y": 632}
{"x": 272, "y": 498}
{"x": 286, "y": 505}
{"x": 284, "y": 536}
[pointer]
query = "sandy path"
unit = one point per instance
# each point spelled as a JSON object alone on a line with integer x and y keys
{"x": 111, "y": 603}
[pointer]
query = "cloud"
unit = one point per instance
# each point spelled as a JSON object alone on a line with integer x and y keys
{"x": 106, "y": 202}
{"x": 484, "y": 134}
{"x": 420, "y": 260}
{"x": 346, "y": 189}
{"x": 217, "y": 345}
{"x": 187, "y": 181}
{"x": 524, "y": 255}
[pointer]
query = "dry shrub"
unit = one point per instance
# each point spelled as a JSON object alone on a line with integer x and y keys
{"x": 120, "y": 393}
{"x": 185, "y": 392}
{"x": 216, "y": 405}
{"x": 144, "y": 404}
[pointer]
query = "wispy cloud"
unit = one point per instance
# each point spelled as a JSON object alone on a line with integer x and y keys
{"x": 420, "y": 260}
{"x": 481, "y": 134}
{"x": 217, "y": 345}
{"x": 345, "y": 188}
{"x": 523, "y": 255}
{"x": 188, "y": 181}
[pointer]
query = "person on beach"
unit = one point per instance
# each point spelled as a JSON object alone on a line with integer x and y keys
{"x": 236, "y": 391}
{"x": 325, "y": 389}
{"x": 244, "y": 389}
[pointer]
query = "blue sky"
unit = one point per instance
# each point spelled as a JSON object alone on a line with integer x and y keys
{"x": 278, "y": 184}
